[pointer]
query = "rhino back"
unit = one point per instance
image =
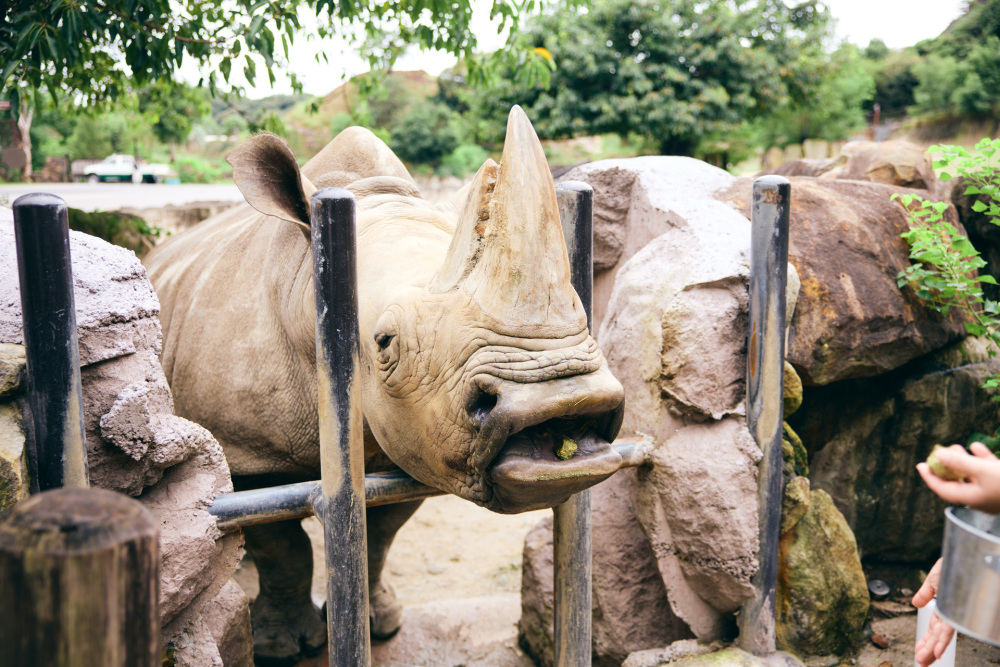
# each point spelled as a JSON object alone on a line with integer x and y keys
{"x": 238, "y": 343}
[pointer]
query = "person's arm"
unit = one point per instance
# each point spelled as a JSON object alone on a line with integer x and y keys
{"x": 981, "y": 469}
{"x": 935, "y": 640}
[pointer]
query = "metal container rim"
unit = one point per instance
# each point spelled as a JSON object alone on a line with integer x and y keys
{"x": 956, "y": 516}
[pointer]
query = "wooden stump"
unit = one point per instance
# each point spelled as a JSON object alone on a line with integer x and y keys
{"x": 79, "y": 582}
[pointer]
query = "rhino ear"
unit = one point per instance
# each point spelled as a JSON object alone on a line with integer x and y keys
{"x": 269, "y": 179}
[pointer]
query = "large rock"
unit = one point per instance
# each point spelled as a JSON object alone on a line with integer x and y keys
{"x": 630, "y": 605}
{"x": 898, "y": 163}
{"x": 625, "y": 219}
{"x": 14, "y": 483}
{"x": 135, "y": 444}
{"x": 851, "y": 319}
{"x": 822, "y": 598}
{"x": 689, "y": 654}
{"x": 674, "y": 335}
{"x": 866, "y": 436}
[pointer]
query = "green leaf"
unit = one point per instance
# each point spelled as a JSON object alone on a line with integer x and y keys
{"x": 255, "y": 25}
{"x": 988, "y": 279}
{"x": 978, "y": 206}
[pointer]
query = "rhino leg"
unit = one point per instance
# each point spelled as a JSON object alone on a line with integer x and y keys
{"x": 384, "y": 611}
{"x": 287, "y": 626}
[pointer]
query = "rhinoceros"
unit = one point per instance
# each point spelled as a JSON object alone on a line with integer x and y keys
{"x": 476, "y": 360}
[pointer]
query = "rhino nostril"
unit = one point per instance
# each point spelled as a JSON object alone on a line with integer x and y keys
{"x": 481, "y": 407}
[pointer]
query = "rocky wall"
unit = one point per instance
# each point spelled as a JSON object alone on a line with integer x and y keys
{"x": 137, "y": 446}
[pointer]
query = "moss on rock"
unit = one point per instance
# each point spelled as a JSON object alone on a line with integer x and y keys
{"x": 822, "y": 593}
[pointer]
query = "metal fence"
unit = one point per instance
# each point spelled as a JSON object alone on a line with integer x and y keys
{"x": 57, "y": 452}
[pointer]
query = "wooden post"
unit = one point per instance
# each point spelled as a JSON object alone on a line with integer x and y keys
{"x": 79, "y": 581}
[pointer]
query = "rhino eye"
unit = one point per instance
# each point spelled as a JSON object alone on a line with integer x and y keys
{"x": 382, "y": 340}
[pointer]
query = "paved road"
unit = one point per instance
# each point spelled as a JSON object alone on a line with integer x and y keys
{"x": 113, "y": 196}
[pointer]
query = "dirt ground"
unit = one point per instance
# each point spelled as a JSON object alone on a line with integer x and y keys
{"x": 456, "y": 568}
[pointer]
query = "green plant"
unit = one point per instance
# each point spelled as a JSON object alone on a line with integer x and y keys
{"x": 122, "y": 229}
{"x": 944, "y": 264}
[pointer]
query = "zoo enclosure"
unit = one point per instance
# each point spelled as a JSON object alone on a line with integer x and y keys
{"x": 57, "y": 453}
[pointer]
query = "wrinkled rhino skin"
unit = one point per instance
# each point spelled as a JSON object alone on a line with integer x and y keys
{"x": 476, "y": 360}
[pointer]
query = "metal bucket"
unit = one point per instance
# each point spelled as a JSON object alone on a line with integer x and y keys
{"x": 968, "y": 596}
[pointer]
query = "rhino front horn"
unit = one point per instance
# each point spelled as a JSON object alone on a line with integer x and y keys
{"x": 509, "y": 253}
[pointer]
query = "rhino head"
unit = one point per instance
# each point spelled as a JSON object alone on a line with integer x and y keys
{"x": 479, "y": 375}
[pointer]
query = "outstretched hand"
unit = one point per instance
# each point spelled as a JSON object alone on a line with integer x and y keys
{"x": 935, "y": 640}
{"x": 981, "y": 469}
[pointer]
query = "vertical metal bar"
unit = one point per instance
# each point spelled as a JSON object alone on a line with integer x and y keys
{"x": 765, "y": 389}
{"x": 341, "y": 505}
{"x": 57, "y": 451}
{"x": 573, "y": 551}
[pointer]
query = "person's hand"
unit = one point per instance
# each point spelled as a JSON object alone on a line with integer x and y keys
{"x": 935, "y": 640}
{"x": 981, "y": 488}
{"x": 929, "y": 588}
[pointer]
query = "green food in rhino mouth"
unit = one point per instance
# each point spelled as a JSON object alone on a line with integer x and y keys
{"x": 567, "y": 449}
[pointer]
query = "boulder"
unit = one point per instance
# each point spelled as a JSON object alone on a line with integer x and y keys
{"x": 822, "y": 598}
{"x": 814, "y": 167}
{"x": 687, "y": 654}
{"x": 865, "y": 437}
{"x": 14, "y": 485}
{"x": 135, "y": 444}
{"x": 630, "y": 608}
{"x": 625, "y": 216}
{"x": 851, "y": 319}
{"x": 674, "y": 335}
{"x": 895, "y": 162}
{"x": 898, "y": 163}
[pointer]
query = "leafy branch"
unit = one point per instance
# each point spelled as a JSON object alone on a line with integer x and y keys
{"x": 944, "y": 264}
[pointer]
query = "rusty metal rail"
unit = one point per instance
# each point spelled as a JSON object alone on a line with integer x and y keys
{"x": 296, "y": 501}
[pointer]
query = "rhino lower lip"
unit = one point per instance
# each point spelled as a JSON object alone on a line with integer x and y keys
{"x": 541, "y": 467}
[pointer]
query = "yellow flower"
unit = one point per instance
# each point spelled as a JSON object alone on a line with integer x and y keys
{"x": 543, "y": 52}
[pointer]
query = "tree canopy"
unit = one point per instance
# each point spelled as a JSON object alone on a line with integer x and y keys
{"x": 94, "y": 49}
{"x": 673, "y": 72}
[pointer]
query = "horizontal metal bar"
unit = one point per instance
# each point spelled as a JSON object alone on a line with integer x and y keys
{"x": 295, "y": 501}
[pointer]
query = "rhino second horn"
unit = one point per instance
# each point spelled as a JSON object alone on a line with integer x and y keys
{"x": 511, "y": 258}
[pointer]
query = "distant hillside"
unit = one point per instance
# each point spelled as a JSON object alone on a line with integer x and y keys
{"x": 309, "y": 132}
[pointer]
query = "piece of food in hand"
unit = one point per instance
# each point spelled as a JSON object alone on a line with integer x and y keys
{"x": 940, "y": 469}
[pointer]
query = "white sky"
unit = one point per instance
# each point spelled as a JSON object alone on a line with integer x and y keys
{"x": 899, "y": 23}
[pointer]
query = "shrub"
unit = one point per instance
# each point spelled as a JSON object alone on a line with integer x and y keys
{"x": 944, "y": 262}
{"x": 122, "y": 229}
{"x": 466, "y": 159}
{"x": 195, "y": 169}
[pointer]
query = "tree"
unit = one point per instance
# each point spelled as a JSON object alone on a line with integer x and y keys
{"x": 834, "y": 111}
{"x": 673, "y": 73}
{"x": 173, "y": 109}
{"x": 78, "y": 47}
{"x": 426, "y": 134}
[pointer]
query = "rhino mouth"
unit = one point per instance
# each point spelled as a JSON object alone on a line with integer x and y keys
{"x": 544, "y": 465}
{"x": 538, "y": 443}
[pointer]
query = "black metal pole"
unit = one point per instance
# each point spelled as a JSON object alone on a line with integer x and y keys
{"x": 341, "y": 505}
{"x": 57, "y": 452}
{"x": 765, "y": 390}
{"x": 573, "y": 550}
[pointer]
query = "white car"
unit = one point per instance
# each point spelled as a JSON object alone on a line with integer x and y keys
{"x": 119, "y": 167}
